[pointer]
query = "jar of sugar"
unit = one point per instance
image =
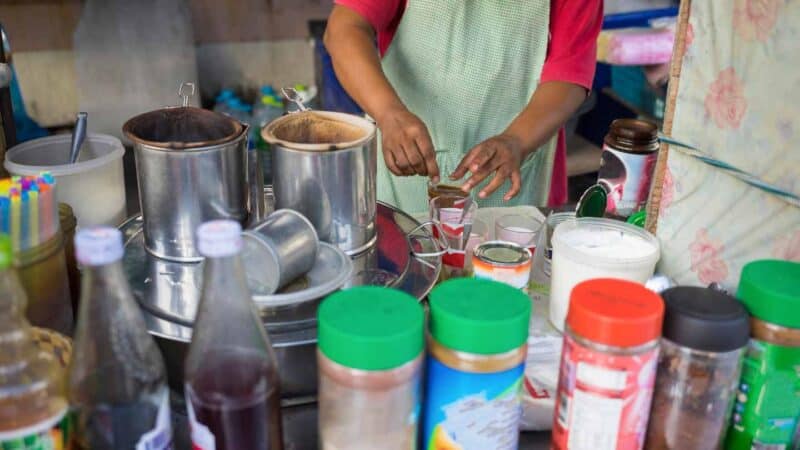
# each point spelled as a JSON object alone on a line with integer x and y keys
{"x": 588, "y": 248}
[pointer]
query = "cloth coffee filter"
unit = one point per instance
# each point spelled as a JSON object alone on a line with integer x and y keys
{"x": 182, "y": 128}
{"x": 318, "y": 131}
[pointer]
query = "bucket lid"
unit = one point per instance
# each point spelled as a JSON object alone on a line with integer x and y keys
{"x": 371, "y": 328}
{"x": 771, "y": 292}
{"x": 704, "y": 319}
{"x": 615, "y": 312}
{"x": 182, "y": 127}
{"x": 479, "y": 316}
{"x": 319, "y": 131}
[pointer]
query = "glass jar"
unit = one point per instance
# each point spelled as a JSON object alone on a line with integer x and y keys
{"x": 630, "y": 152}
{"x": 539, "y": 286}
{"x": 370, "y": 355}
{"x": 608, "y": 366}
{"x": 68, "y": 222}
{"x": 704, "y": 337}
{"x": 478, "y": 343}
{"x": 43, "y": 272}
{"x": 766, "y": 414}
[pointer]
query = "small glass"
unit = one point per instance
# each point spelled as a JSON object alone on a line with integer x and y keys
{"x": 453, "y": 214}
{"x": 519, "y": 229}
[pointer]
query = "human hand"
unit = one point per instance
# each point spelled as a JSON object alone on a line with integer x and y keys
{"x": 501, "y": 154}
{"x": 407, "y": 146}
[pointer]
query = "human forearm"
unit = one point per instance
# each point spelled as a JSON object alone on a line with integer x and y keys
{"x": 350, "y": 41}
{"x": 551, "y": 105}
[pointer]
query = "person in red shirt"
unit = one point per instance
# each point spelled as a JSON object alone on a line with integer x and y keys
{"x": 476, "y": 88}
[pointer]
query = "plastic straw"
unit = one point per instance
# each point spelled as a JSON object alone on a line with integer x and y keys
{"x": 28, "y": 210}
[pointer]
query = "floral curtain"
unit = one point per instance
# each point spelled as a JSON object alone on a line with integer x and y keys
{"x": 738, "y": 100}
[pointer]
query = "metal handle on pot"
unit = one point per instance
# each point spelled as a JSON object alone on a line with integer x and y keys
{"x": 440, "y": 242}
{"x": 183, "y": 95}
{"x": 293, "y": 96}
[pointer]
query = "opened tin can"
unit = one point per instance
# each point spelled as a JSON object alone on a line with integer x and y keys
{"x": 502, "y": 261}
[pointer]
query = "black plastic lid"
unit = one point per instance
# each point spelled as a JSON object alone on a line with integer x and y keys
{"x": 704, "y": 319}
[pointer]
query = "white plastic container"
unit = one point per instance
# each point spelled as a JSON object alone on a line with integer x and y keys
{"x": 589, "y": 248}
{"x": 94, "y": 186}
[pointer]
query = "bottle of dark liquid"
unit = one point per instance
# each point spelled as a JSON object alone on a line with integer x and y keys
{"x": 232, "y": 385}
{"x": 117, "y": 384}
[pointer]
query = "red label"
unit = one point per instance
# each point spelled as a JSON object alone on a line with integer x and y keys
{"x": 603, "y": 400}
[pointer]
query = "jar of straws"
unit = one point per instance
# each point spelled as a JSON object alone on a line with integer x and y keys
{"x": 29, "y": 215}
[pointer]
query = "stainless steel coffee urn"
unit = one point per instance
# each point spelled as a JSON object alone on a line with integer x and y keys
{"x": 324, "y": 166}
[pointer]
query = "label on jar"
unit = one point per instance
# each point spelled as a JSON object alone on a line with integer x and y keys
{"x": 765, "y": 414}
{"x": 49, "y": 434}
{"x": 465, "y": 410}
{"x": 160, "y": 437}
{"x": 514, "y": 276}
{"x": 603, "y": 400}
{"x": 627, "y": 178}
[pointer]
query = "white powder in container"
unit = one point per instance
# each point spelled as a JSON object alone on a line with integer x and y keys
{"x": 597, "y": 248}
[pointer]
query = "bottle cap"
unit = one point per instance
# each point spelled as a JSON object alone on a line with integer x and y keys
{"x": 615, "y": 312}
{"x": 5, "y": 252}
{"x": 98, "y": 246}
{"x": 479, "y": 316}
{"x": 371, "y": 328}
{"x": 771, "y": 291}
{"x": 219, "y": 238}
{"x": 704, "y": 319}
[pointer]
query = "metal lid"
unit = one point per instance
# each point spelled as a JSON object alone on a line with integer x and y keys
{"x": 182, "y": 127}
{"x": 502, "y": 253}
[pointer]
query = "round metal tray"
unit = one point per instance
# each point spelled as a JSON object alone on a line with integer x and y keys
{"x": 169, "y": 291}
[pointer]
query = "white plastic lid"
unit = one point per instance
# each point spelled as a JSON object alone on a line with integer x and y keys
{"x": 98, "y": 246}
{"x": 219, "y": 238}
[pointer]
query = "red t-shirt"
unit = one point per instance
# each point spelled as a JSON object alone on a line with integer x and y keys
{"x": 571, "y": 53}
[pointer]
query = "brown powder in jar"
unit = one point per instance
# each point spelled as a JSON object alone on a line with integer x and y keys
{"x": 692, "y": 400}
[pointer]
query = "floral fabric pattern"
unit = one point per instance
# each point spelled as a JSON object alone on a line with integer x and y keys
{"x": 755, "y": 19}
{"x": 706, "y": 262}
{"x": 725, "y": 101}
{"x": 737, "y": 101}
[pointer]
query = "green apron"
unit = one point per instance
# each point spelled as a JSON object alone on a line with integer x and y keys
{"x": 467, "y": 68}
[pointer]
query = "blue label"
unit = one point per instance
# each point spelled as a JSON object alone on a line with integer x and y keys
{"x": 471, "y": 411}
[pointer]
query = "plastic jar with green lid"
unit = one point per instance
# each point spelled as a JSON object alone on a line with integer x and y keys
{"x": 370, "y": 351}
{"x": 765, "y": 414}
{"x": 477, "y": 345}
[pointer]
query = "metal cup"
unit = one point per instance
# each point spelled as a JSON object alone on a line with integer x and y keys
{"x": 285, "y": 240}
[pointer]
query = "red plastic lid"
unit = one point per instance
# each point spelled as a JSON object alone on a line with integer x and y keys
{"x": 615, "y": 312}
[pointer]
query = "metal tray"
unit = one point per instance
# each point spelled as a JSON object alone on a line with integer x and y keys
{"x": 169, "y": 291}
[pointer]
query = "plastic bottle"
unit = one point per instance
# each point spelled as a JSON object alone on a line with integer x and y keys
{"x": 232, "y": 384}
{"x": 222, "y": 100}
{"x": 268, "y": 108}
{"x": 32, "y": 403}
{"x": 117, "y": 384}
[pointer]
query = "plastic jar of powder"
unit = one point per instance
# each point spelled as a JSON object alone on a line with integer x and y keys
{"x": 370, "y": 353}
{"x": 767, "y": 404}
{"x": 608, "y": 366}
{"x": 477, "y": 348}
{"x": 704, "y": 337}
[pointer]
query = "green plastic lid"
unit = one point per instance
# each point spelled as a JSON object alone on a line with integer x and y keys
{"x": 371, "y": 328}
{"x": 479, "y": 316}
{"x": 638, "y": 218}
{"x": 5, "y": 251}
{"x": 770, "y": 289}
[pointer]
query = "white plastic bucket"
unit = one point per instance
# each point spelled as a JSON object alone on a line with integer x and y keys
{"x": 589, "y": 248}
{"x": 94, "y": 186}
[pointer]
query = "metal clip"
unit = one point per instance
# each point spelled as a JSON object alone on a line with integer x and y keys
{"x": 183, "y": 95}
{"x": 293, "y": 96}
